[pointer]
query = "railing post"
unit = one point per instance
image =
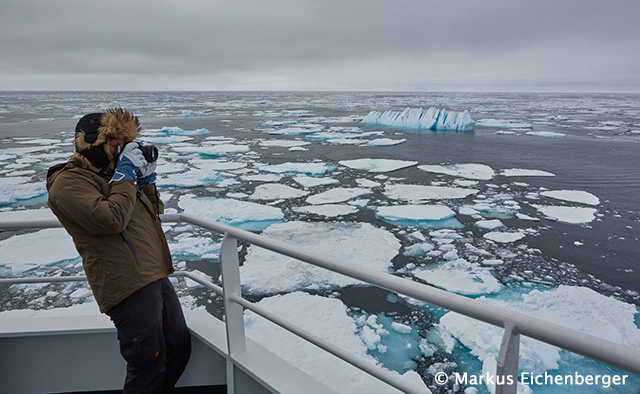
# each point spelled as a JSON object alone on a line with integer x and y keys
{"x": 507, "y": 371}
{"x": 234, "y": 319}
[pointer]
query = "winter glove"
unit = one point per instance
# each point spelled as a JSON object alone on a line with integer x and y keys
{"x": 129, "y": 161}
{"x": 147, "y": 173}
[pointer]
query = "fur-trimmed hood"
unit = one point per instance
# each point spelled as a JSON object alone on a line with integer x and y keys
{"x": 93, "y": 133}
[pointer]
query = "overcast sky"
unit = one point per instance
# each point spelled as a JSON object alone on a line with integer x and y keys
{"x": 400, "y": 45}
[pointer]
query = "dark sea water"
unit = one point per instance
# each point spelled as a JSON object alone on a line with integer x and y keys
{"x": 590, "y": 142}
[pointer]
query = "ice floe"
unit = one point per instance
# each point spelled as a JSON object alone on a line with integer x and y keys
{"x": 460, "y": 276}
{"x": 573, "y": 215}
{"x": 27, "y": 214}
{"x": 214, "y": 150}
{"x": 283, "y": 143}
{"x": 550, "y": 134}
{"x": 377, "y": 165}
{"x": 328, "y": 319}
{"x": 242, "y": 214}
{"x": 193, "y": 178}
{"x": 417, "y": 193}
{"x": 327, "y": 210}
{"x": 265, "y": 272}
{"x": 384, "y": 142}
{"x": 337, "y": 195}
{"x": 307, "y": 181}
{"x": 504, "y": 123}
{"x": 14, "y": 189}
{"x": 489, "y": 224}
{"x": 18, "y": 255}
{"x": 418, "y": 118}
{"x": 276, "y": 191}
{"x": 578, "y": 196}
{"x": 504, "y": 236}
{"x": 524, "y": 172}
{"x": 470, "y": 171}
{"x": 194, "y": 248}
{"x": 312, "y": 169}
{"x": 418, "y": 215}
{"x": 578, "y": 308}
{"x": 178, "y": 131}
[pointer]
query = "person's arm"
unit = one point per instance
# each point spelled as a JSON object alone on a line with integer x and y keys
{"x": 80, "y": 200}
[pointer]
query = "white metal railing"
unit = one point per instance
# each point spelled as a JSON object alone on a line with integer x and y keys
{"x": 514, "y": 323}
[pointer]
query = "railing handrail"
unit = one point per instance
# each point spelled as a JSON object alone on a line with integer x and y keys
{"x": 578, "y": 342}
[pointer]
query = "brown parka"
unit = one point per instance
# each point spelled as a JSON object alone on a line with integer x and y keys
{"x": 116, "y": 230}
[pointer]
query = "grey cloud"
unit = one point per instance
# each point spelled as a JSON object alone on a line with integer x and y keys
{"x": 269, "y": 40}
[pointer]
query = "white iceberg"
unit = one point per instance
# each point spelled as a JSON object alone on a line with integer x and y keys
{"x": 417, "y": 118}
{"x": 266, "y": 272}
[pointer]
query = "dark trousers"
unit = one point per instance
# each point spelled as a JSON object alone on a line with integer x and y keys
{"x": 154, "y": 338}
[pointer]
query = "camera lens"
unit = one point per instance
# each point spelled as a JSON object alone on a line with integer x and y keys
{"x": 149, "y": 152}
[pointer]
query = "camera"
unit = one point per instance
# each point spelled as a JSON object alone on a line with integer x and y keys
{"x": 150, "y": 152}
